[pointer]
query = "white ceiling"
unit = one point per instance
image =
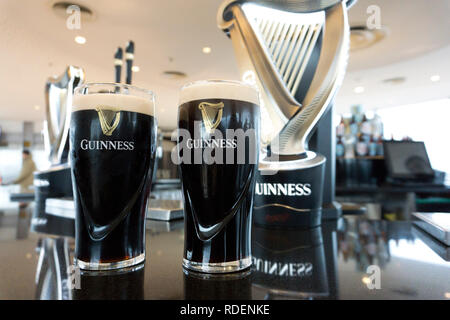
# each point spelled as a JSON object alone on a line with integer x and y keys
{"x": 416, "y": 47}
{"x": 170, "y": 35}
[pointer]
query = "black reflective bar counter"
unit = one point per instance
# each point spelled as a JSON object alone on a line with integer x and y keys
{"x": 351, "y": 258}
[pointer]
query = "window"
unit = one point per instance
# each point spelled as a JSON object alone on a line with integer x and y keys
{"x": 428, "y": 122}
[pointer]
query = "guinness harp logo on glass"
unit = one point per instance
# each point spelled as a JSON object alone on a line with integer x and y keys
{"x": 211, "y": 114}
{"x": 109, "y": 119}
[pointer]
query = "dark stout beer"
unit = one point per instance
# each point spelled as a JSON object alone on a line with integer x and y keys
{"x": 218, "y": 147}
{"x": 113, "y": 141}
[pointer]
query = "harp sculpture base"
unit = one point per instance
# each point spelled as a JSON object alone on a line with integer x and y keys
{"x": 55, "y": 182}
{"x": 290, "y": 193}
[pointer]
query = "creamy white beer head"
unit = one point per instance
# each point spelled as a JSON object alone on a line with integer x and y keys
{"x": 117, "y": 101}
{"x": 218, "y": 89}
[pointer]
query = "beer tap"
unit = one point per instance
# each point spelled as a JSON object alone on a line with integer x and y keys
{"x": 129, "y": 56}
{"x": 118, "y": 56}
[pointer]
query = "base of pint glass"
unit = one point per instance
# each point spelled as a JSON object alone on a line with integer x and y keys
{"x": 222, "y": 267}
{"x": 109, "y": 265}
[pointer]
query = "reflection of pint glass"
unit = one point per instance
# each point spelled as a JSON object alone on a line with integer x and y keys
{"x": 224, "y": 286}
{"x": 122, "y": 284}
{"x": 112, "y": 151}
{"x": 218, "y": 151}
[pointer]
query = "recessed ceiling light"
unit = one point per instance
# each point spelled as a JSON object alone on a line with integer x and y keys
{"x": 60, "y": 9}
{"x": 206, "y": 50}
{"x": 435, "y": 78}
{"x": 135, "y": 69}
{"x": 362, "y": 37}
{"x": 395, "y": 80}
{"x": 36, "y": 107}
{"x": 359, "y": 89}
{"x": 80, "y": 40}
{"x": 173, "y": 74}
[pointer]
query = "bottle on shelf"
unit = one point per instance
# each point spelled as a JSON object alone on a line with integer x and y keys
{"x": 349, "y": 149}
{"x": 380, "y": 150}
{"x": 340, "y": 148}
{"x": 372, "y": 146}
{"x": 354, "y": 128}
{"x": 357, "y": 112}
{"x": 362, "y": 147}
{"x": 377, "y": 126}
{"x": 366, "y": 128}
{"x": 340, "y": 129}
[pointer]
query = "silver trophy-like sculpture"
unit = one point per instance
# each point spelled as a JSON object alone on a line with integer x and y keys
{"x": 58, "y": 98}
{"x": 55, "y": 183}
{"x": 295, "y": 52}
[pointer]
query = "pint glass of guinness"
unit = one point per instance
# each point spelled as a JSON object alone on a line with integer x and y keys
{"x": 112, "y": 151}
{"x": 218, "y": 145}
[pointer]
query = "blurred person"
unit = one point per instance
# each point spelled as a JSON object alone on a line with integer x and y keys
{"x": 25, "y": 178}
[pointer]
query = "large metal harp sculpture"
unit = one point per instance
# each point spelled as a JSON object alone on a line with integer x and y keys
{"x": 296, "y": 52}
{"x": 56, "y": 182}
{"x": 58, "y": 98}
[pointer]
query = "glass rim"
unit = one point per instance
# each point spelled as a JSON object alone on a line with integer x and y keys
{"x": 219, "y": 81}
{"x": 219, "y": 89}
{"x": 113, "y": 84}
